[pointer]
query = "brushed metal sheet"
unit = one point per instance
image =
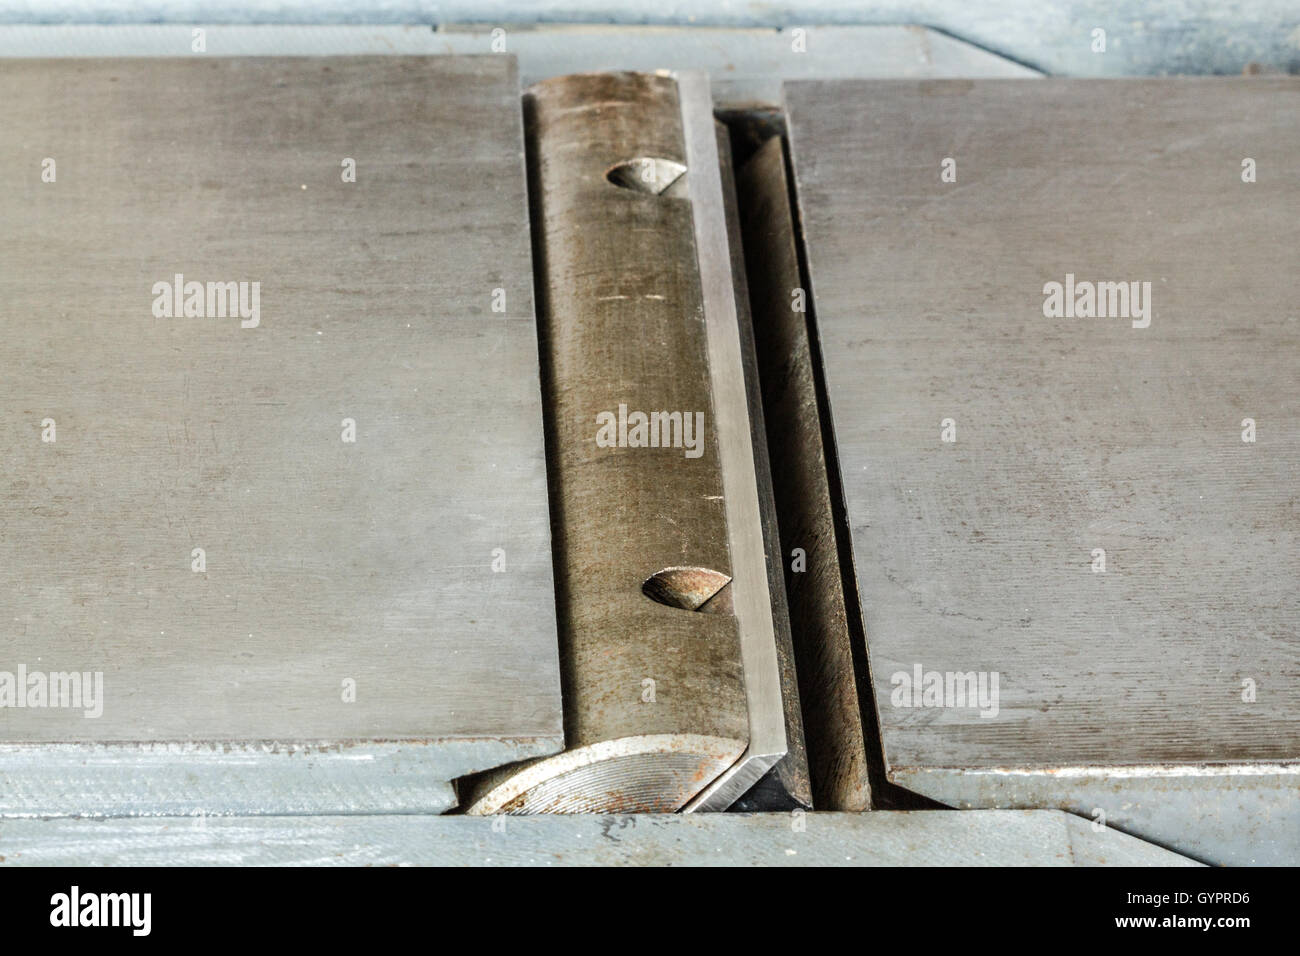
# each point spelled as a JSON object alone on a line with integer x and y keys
{"x": 1071, "y": 435}
{"x": 414, "y": 561}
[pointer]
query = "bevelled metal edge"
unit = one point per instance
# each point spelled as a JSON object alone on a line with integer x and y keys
{"x": 752, "y": 599}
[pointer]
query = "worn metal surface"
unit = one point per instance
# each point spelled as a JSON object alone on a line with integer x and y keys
{"x": 654, "y": 691}
{"x": 975, "y": 838}
{"x": 977, "y": 556}
{"x": 810, "y": 559}
{"x": 745, "y": 66}
{"x": 410, "y": 567}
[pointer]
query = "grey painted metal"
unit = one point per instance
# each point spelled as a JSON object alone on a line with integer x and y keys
{"x": 932, "y": 838}
{"x": 655, "y": 701}
{"x": 745, "y": 66}
{"x": 1181, "y": 661}
{"x": 1237, "y": 816}
{"x": 1144, "y": 36}
{"x": 751, "y": 596}
{"x": 818, "y": 617}
{"x": 226, "y": 688}
{"x": 245, "y": 778}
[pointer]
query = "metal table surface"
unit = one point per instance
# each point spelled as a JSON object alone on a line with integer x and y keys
{"x": 308, "y": 544}
{"x": 1066, "y": 505}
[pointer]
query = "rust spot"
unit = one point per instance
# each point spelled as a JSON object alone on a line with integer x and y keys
{"x": 684, "y": 587}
